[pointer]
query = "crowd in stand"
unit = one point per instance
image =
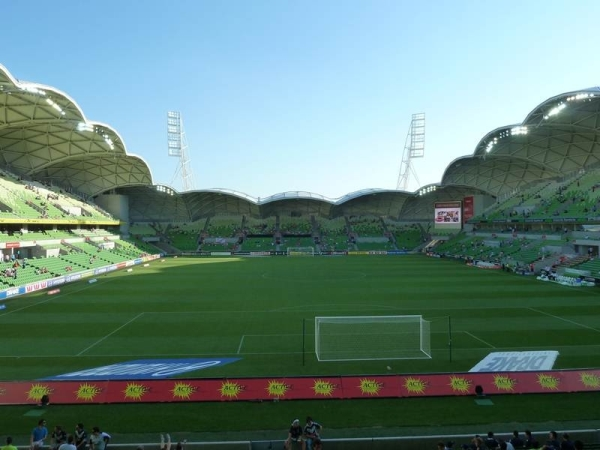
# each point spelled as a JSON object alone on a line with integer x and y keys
{"x": 517, "y": 441}
{"x": 60, "y": 439}
{"x": 307, "y": 437}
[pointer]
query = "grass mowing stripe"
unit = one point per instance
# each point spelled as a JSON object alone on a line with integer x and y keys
{"x": 202, "y": 307}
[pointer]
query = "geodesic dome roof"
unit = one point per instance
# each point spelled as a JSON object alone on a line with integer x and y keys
{"x": 45, "y": 136}
{"x": 557, "y": 138}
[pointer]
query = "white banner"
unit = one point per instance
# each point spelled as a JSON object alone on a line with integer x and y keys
{"x": 516, "y": 361}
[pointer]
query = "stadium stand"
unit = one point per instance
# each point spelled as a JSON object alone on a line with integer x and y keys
{"x": 67, "y": 207}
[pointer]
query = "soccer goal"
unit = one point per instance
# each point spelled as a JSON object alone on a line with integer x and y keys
{"x": 355, "y": 338}
{"x": 301, "y": 251}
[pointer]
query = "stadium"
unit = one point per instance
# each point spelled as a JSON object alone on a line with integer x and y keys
{"x": 103, "y": 267}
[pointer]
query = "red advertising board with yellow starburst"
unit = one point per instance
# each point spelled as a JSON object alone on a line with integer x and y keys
{"x": 298, "y": 388}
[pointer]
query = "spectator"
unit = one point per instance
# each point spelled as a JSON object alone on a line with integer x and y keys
{"x": 96, "y": 440}
{"x": 566, "y": 443}
{"x": 58, "y": 437}
{"x": 476, "y": 444}
{"x": 165, "y": 444}
{"x": 294, "y": 435}
{"x": 38, "y": 435}
{"x": 490, "y": 441}
{"x": 81, "y": 437}
{"x": 516, "y": 440}
{"x": 503, "y": 445}
{"x": 312, "y": 430}
{"x": 106, "y": 438}
{"x": 9, "y": 445}
{"x": 69, "y": 445}
{"x": 530, "y": 440}
{"x": 552, "y": 443}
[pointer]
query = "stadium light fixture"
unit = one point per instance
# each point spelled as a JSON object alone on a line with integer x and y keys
{"x": 554, "y": 111}
{"x": 109, "y": 141}
{"x": 516, "y": 131}
{"x": 82, "y": 126}
{"x": 427, "y": 190}
{"x": 33, "y": 90}
{"x": 580, "y": 96}
{"x": 55, "y": 106}
{"x": 491, "y": 144}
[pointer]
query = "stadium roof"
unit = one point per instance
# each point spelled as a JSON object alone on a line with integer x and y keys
{"x": 557, "y": 138}
{"x": 45, "y": 136}
{"x": 158, "y": 203}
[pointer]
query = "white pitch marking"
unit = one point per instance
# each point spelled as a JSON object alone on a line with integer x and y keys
{"x": 61, "y": 295}
{"x": 565, "y": 320}
{"x": 479, "y": 339}
{"x": 241, "y": 343}
{"x": 109, "y": 334}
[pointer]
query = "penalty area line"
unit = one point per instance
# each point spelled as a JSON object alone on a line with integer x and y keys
{"x": 109, "y": 334}
{"x": 479, "y": 339}
{"x": 564, "y": 320}
{"x": 241, "y": 343}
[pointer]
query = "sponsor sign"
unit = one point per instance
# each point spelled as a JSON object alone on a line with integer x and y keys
{"x": 56, "y": 281}
{"x": 468, "y": 208}
{"x": 516, "y": 361}
{"x": 144, "y": 369}
{"x": 297, "y": 388}
{"x": 37, "y": 286}
{"x": 15, "y": 291}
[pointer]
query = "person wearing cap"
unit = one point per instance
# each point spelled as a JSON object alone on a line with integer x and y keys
{"x": 294, "y": 435}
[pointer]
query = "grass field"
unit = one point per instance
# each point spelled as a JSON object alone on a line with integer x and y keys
{"x": 254, "y": 309}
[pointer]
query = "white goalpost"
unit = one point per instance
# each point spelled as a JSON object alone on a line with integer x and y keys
{"x": 300, "y": 251}
{"x": 355, "y": 338}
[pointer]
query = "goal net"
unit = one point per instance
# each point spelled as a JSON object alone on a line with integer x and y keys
{"x": 355, "y": 338}
{"x": 301, "y": 251}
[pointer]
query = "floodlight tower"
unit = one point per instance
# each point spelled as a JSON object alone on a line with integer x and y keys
{"x": 414, "y": 147}
{"x": 177, "y": 145}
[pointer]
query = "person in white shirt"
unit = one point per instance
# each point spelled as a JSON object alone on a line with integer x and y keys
{"x": 69, "y": 445}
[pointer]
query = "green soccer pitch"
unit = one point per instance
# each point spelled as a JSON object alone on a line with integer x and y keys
{"x": 254, "y": 309}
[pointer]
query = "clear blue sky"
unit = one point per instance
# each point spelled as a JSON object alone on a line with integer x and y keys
{"x": 303, "y": 95}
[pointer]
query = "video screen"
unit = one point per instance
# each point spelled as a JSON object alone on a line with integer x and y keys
{"x": 448, "y": 215}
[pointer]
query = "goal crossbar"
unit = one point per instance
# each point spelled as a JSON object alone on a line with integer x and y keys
{"x": 356, "y": 338}
{"x": 301, "y": 251}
